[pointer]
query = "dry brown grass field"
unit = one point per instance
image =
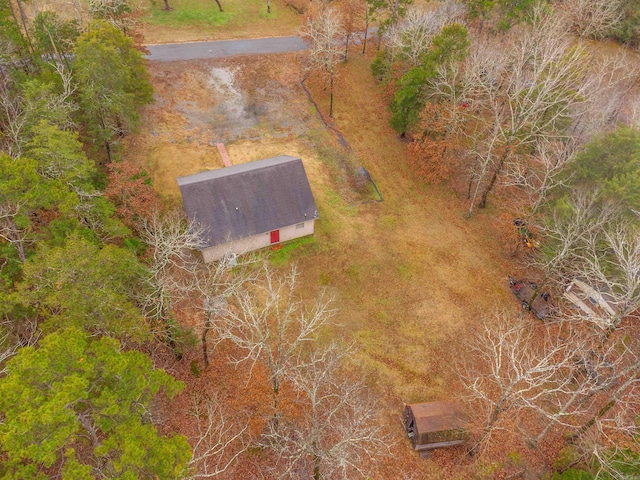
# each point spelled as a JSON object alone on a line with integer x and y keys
{"x": 411, "y": 277}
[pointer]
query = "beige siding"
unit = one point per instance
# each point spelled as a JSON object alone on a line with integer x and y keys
{"x": 256, "y": 242}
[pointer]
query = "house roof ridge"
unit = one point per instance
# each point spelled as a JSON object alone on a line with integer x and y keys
{"x": 236, "y": 169}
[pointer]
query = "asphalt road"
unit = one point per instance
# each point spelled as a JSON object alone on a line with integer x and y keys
{"x": 226, "y": 48}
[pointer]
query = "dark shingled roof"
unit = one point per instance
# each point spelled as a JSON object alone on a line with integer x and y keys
{"x": 248, "y": 199}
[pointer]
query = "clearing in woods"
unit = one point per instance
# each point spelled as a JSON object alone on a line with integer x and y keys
{"x": 411, "y": 277}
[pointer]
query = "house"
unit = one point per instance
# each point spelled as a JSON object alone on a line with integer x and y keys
{"x": 249, "y": 206}
{"x": 435, "y": 425}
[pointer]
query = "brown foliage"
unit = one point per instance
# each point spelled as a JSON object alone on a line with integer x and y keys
{"x": 353, "y": 14}
{"x": 131, "y": 192}
{"x": 431, "y": 152}
{"x": 298, "y": 6}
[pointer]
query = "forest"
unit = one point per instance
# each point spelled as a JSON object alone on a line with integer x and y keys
{"x": 505, "y": 138}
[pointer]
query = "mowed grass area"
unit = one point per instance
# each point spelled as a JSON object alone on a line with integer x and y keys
{"x": 411, "y": 278}
{"x": 193, "y": 20}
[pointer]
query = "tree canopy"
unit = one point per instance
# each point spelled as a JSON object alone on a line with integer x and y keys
{"x": 82, "y": 407}
{"x": 113, "y": 82}
{"x": 611, "y": 163}
{"x": 410, "y": 98}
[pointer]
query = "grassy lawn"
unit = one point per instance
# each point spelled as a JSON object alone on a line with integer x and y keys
{"x": 192, "y": 20}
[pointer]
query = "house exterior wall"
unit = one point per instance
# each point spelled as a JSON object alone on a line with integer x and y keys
{"x": 255, "y": 242}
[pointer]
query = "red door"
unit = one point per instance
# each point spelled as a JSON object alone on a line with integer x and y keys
{"x": 275, "y": 236}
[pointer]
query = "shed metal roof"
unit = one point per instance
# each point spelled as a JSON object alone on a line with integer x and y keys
{"x": 437, "y": 416}
{"x": 248, "y": 199}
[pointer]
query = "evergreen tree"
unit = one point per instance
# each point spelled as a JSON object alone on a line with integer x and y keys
{"x": 113, "y": 83}
{"x": 83, "y": 407}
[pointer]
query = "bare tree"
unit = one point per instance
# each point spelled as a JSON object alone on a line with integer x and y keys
{"x": 611, "y": 262}
{"x": 338, "y": 435}
{"x": 13, "y": 336}
{"x": 593, "y": 18}
{"x": 323, "y": 34}
{"x": 538, "y": 95}
{"x": 593, "y": 370}
{"x": 10, "y": 232}
{"x": 589, "y": 239}
{"x": 568, "y": 230}
{"x": 611, "y": 91}
{"x": 218, "y": 443}
{"x": 611, "y": 432}
{"x": 7, "y": 351}
{"x": 409, "y": 39}
{"x": 541, "y": 172}
{"x": 172, "y": 267}
{"x": 12, "y": 117}
{"x": 117, "y": 12}
{"x": 523, "y": 92}
{"x": 353, "y": 13}
{"x": 270, "y": 325}
{"x": 510, "y": 370}
{"x": 77, "y": 8}
{"x": 613, "y": 460}
{"x": 215, "y": 283}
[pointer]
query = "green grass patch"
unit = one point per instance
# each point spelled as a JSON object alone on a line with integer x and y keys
{"x": 282, "y": 255}
{"x": 350, "y": 180}
{"x": 324, "y": 279}
{"x": 388, "y": 222}
{"x": 405, "y": 271}
{"x": 235, "y": 14}
{"x": 353, "y": 271}
{"x": 189, "y": 12}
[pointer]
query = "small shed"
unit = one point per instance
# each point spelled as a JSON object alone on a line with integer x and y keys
{"x": 435, "y": 425}
{"x": 250, "y": 206}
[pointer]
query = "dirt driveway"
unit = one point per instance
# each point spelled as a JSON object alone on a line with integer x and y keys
{"x": 254, "y": 108}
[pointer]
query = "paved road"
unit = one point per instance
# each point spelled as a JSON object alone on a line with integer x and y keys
{"x": 226, "y": 48}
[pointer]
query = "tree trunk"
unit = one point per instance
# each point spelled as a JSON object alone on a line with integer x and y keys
{"x": 276, "y": 391}
{"x": 205, "y": 331}
{"x": 12, "y": 234}
{"x": 564, "y": 408}
{"x": 316, "y": 468}
{"x": 85, "y": 421}
{"x": 497, "y": 411}
{"x": 219, "y": 5}
{"x": 492, "y": 182}
{"x": 394, "y": 13}
{"x": 331, "y": 97}
{"x": 107, "y": 147}
{"x": 61, "y": 59}
{"x": 78, "y": 9}
{"x": 23, "y": 18}
{"x": 494, "y": 177}
{"x": 633, "y": 370}
{"x": 366, "y": 32}
{"x": 346, "y": 47}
